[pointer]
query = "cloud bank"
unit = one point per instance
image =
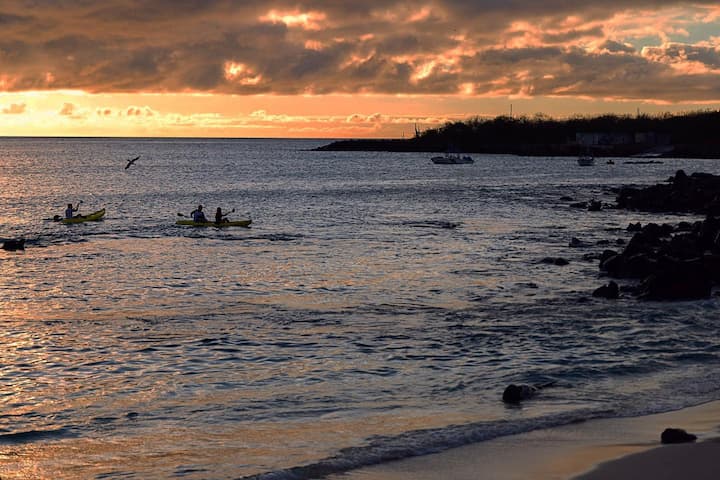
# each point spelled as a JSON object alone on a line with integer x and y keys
{"x": 650, "y": 50}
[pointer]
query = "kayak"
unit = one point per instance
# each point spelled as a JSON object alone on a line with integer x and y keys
{"x": 93, "y": 217}
{"x": 232, "y": 223}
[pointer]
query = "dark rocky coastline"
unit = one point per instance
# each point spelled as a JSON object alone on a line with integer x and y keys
{"x": 688, "y": 135}
{"x": 671, "y": 262}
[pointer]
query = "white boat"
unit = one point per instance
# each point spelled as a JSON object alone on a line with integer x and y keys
{"x": 452, "y": 159}
{"x": 586, "y": 160}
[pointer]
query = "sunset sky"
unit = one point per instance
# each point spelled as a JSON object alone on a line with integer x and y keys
{"x": 335, "y": 69}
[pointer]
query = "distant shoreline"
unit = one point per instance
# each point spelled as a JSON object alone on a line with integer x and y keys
{"x": 708, "y": 151}
{"x": 690, "y": 135}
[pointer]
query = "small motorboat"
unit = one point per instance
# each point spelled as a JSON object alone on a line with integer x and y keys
{"x": 586, "y": 160}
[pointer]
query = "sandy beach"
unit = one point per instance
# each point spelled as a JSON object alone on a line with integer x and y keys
{"x": 626, "y": 448}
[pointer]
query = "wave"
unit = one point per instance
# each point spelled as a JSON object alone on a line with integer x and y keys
{"x": 383, "y": 449}
{"x": 34, "y": 435}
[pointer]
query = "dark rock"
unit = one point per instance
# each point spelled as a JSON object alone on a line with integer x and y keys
{"x": 565, "y": 198}
{"x": 12, "y": 245}
{"x": 642, "y": 242}
{"x": 682, "y": 246}
{"x": 610, "y": 291}
{"x": 606, "y": 254}
{"x": 638, "y": 265}
{"x": 555, "y": 261}
{"x": 620, "y": 241}
{"x": 577, "y": 243}
{"x": 684, "y": 227}
{"x": 594, "y": 206}
{"x": 634, "y": 227}
{"x": 517, "y": 393}
{"x": 711, "y": 262}
{"x": 653, "y": 230}
{"x": 698, "y": 193}
{"x": 582, "y": 205}
{"x": 611, "y": 262}
{"x": 630, "y": 289}
{"x": 679, "y": 280}
{"x": 676, "y": 435}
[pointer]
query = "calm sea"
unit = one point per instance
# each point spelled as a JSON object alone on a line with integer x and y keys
{"x": 375, "y": 310}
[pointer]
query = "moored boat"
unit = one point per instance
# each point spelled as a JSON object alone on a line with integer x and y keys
{"x": 452, "y": 159}
{"x": 586, "y": 160}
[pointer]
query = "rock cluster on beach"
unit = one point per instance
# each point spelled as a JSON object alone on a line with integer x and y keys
{"x": 672, "y": 262}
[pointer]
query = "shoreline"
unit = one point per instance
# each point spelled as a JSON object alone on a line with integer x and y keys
{"x": 639, "y": 152}
{"x": 613, "y": 448}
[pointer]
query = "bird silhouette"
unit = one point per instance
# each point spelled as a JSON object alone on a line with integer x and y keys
{"x": 131, "y": 161}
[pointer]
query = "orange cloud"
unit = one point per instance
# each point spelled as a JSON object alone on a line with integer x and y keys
{"x": 14, "y": 109}
{"x": 306, "y": 20}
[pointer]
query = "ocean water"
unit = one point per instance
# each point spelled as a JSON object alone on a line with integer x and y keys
{"x": 375, "y": 310}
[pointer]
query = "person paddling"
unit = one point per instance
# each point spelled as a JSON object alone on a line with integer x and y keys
{"x": 70, "y": 210}
{"x": 198, "y": 216}
{"x": 220, "y": 217}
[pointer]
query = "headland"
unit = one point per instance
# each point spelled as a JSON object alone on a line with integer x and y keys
{"x": 689, "y": 135}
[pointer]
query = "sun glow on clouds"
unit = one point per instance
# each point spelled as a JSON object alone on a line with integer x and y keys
{"x": 307, "y": 21}
{"x": 648, "y": 24}
{"x": 404, "y": 12}
{"x": 685, "y": 59}
{"x": 14, "y": 109}
{"x": 240, "y": 73}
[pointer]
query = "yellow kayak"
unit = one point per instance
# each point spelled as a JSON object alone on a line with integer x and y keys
{"x": 232, "y": 223}
{"x": 93, "y": 217}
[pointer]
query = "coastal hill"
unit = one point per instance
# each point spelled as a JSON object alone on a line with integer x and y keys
{"x": 690, "y": 135}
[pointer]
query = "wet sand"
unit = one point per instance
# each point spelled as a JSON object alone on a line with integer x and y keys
{"x": 593, "y": 450}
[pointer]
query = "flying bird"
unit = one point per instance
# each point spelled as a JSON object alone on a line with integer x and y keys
{"x": 131, "y": 161}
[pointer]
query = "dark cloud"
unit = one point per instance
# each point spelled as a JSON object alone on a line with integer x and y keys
{"x": 617, "y": 47}
{"x": 675, "y": 52}
{"x": 553, "y": 47}
{"x": 574, "y": 34}
{"x": 7, "y": 20}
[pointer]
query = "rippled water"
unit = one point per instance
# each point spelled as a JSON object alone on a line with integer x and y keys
{"x": 376, "y": 308}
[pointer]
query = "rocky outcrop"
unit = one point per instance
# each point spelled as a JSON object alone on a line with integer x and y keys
{"x": 697, "y": 193}
{"x": 672, "y": 262}
{"x": 610, "y": 291}
{"x": 676, "y": 435}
